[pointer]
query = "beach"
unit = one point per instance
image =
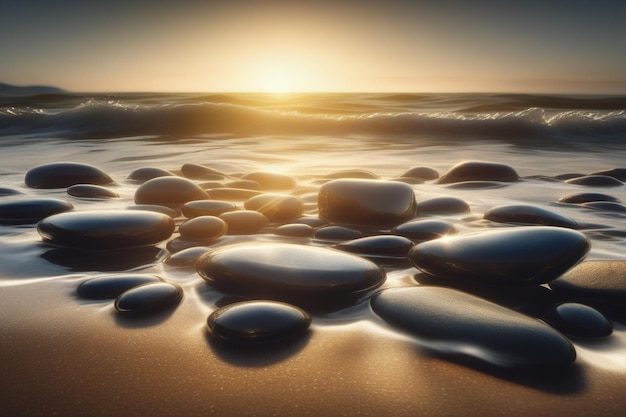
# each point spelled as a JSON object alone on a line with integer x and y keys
{"x": 64, "y": 354}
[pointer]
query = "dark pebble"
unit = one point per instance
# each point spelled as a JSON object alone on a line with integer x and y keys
{"x": 255, "y": 322}
{"x": 311, "y": 221}
{"x": 512, "y": 256}
{"x": 579, "y": 321}
{"x": 337, "y": 233}
{"x": 4, "y": 192}
{"x": 203, "y": 228}
{"x": 606, "y": 206}
{"x": 198, "y": 171}
{"x": 207, "y": 208}
{"x": 25, "y": 211}
{"x": 91, "y": 191}
{"x": 579, "y": 198}
{"x": 479, "y": 171}
{"x": 278, "y": 208}
{"x": 244, "y": 222}
{"x": 144, "y": 174}
{"x": 423, "y": 230}
{"x": 422, "y": 173}
{"x": 271, "y": 180}
{"x": 595, "y": 181}
{"x": 149, "y": 298}
{"x": 106, "y": 229}
{"x": 169, "y": 191}
{"x": 378, "y": 246}
{"x": 186, "y": 257}
{"x": 111, "y": 286}
{"x": 456, "y": 323}
{"x": 618, "y": 173}
{"x": 65, "y": 174}
{"x": 442, "y": 205}
{"x": 528, "y": 214}
{"x": 477, "y": 185}
{"x": 366, "y": 202}
{"x": 295, "y": 230}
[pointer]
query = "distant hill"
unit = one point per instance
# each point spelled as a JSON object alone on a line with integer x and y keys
{"x": 28, "y": 90}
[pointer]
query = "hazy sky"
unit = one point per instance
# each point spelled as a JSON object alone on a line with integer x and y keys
{"x": 572, "y": 46}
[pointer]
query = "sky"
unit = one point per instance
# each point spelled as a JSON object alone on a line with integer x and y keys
{"x": 547, "y": 46}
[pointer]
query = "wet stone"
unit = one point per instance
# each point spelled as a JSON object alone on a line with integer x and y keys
{"x": 203, "y": 228}
{"x": 111, "y": 286}
{"x": 168, "y": 211}
{"x": 605, "y": 206}
{"x": 422, "y": 173}
{"x": 337, "y": 233}
{"x": 278, "y": 208}
{"x": 378, "y": 246}
{"x": 595, "y": 181}
{"x": 512, "y": 256}
{"x": 295, "y": 230}
{"x": 579, "y": 321}
{"x": 528, "y": 214}
{"x": 65, "y": 174}
{"x": 476, "y": 185}
{"x": 169, "y": 191}
{"x": 353, "y": 173}
{"x": 113, "y": 229}
{"x": 32, "y": 210}
{"x": 271, "y": 180}
{"x": 186, "y": 257}
{"x": 442, "y": 205}
{"x": 423, "y": 230}
{"x": 232, "y": 193}
{"x": 366, "y": 202}
{"x": 197, "y": 208}
{"x": 618, "y": 173}
{"x": 91, "y": 191}
{"x": 144, "y": 174}
{"x": 479, "y": 171}
{"x": 245, "y": 184}
{"x": 256, "y": 322}
{"x": 461, "y": 324}
{"x": 149, "y": 298}
{"x": 284, "y": 271}
{"x": 311, "y": 221}
{"x": 579, "y": 198}
{"x": 198, "y": 171}
{"x": 244, "y": 222}
{"x": 4, "y": 192}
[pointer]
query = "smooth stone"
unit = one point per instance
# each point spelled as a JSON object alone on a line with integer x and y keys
{"x": 203, "y": 228}
{"x": 579, "y": 321}
{"x": 279, "y": 270}
{"x": 366, "y": 202}
{"x": 232, "y": 193}
{"x": 353, "y": 173}
{"x": 198, "y": 208}
{"x": 618, "y": 173}
{"x": 295, "y": 230}
{"x": 91, "y": 191}
{"x": 311, "y": 221}
{"x": 528, "y": 214}
{"x": 595, "y": 181}
{"x": 278, "y": 208}
{"x": 168, "y": 211}
{"x": 65, "y": 174}
{"x": 579, "y": 198}
{"x": 422, "y": 173}
{"x": 169, "y": 191}
{"x": 118, "y": 260}
{"x": 378, "y": 246}
{"x": 476, "y": 185}
{"x": 101, "y": 229}
{"x": 111, "y": 286}
{"x": 337, "y": 233}
{"x": 4, "y": 192}
{"x": 442, "y": 205}
{"x": 32, "y": 210}
{"x": 255, "y": 322}
{"x": 460, "y": 324}
{"x": 568, "y": 176}
{"x": 149, "y": 298}
{"x": 479, "y": 171}
{"x": 198, "y": 171}
{"x": 605, "y": 206}
{"x": 510, "y": 256}
{"x": 186, "y": 257}
{"x": 245, "y": 184}
{"x": 244, "y": 222}
{"x": 271, "y": 180}
{"x": 423, "y": 230}
{"x": 144, "y": 174}
{"x": 599, "y": 283}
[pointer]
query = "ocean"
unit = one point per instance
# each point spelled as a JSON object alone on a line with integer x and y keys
{"x": 51, "y": 337}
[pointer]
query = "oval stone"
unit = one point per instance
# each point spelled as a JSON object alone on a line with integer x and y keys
{"x": 198, "y": 171}
{"x": 442, "y": 205}
{"x": 186, "y": 257}
{"x": 111, "y": 286}
{"x": 595, "y": 181}
{"x": 295, "y": 230}
{"x": 606, "y": 206}
{"x": 511, "y": 256}
{"x": 8, "y": 191}
{"x": 619, "y": 173}
{"x": 366, "y": 202}
{"x": 144, "y": 174}
{"x": 245, "y": 184}
{"x": 24, "y": 211}
{"x": 280, "y": 270}
{"x": 91, "y": 191}
{"x": 149, "y": 298}
{"x": 423, "y": 230}
{"x": 528, "y": 214}
{"x": 169, "y": 191}
{"x": 457, "y": 323}
{"x": 579, "y": 198}
{"x": 232, "y": 193}
{"x": 479, "y": 171}
{"x": 65, "y": 174}
{"x": 106, "y": 229}
{"x": 271, "y": 180}
{"x": 337, "y": 233}
{"x": 278, "y": 208}
{"x": 203, "y": 228}
{"x": 378, "y": 246}
{"x": 579, "y": 320}
{"x": 255, "y": 322}
{"x": 207, "y": 208}
{"x": 422, "y": 173}
{"x": 244, "y": 222}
